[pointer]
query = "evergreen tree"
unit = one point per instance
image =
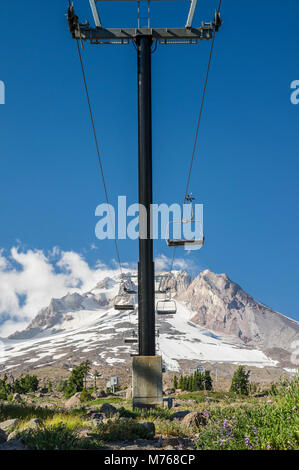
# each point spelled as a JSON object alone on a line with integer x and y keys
{"x": 185, "y": 383}
{"x": 175, "y": 382}
{"x": 240, "y": 381}
{"x": 181, "y": 382}
{"x": 77, "y": 380}
{"x": 207, "y": 380}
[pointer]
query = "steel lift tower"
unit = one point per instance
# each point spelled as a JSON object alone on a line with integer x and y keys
{"x": 147, "y": 367}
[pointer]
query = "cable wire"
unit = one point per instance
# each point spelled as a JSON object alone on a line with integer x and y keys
{"x": 198, "y": 125}
{"x": 98, "y": 151}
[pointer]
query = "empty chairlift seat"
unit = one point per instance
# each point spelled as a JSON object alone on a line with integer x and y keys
{"x": 184, "y": 241}
{"x": 123, "y": 303}
{"x": 166, "y": 307}
{"x": 128, "y": 286}
{"x": 175, "y": 228}
{"x": 132, "y": 338}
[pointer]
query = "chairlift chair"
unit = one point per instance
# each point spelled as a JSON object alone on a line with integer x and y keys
{"x": 163, "y": 284}
{"x": 131, "y": 339}
{"x": 120, "y": 305}
{"x": 128, "y": 286}
{"x": 174, "y": 242}
{"x": 166, "y": 307}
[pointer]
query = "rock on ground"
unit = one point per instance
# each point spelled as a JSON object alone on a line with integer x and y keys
{"x": 149, "y": 426}
{"x": 13, "y": 445}
{"x": 9, "y": 424}
{"x": 3, "y": 436}
{"x": 73, "y": 401}
{"x": 195, "y": 418}
{"x": 180, "y": 414}
{"x": 108, "y": 410}
{"x": 33, "y": 424}
{"x": 17, "y": 397}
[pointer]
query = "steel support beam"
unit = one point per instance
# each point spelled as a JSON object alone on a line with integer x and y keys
{"x": 146, "y": 271}
{"x": 124, "y": 35}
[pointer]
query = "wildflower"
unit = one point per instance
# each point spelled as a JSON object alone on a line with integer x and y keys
{"x": 206, "y": 413}
{"x": 248, "y": 443}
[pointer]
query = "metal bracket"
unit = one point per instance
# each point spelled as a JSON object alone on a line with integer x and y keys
{"x": 95, "y": 13}
{"x": 191, "y": 13}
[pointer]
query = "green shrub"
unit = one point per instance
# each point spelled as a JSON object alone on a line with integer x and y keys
{"x": 12, "y": 410}
{"x": 84, "y": 396}
{"x": 56, "y": 437}
{"x": 122, "y": 430}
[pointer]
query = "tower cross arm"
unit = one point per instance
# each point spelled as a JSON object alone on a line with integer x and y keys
{"x": 84, "y": 32}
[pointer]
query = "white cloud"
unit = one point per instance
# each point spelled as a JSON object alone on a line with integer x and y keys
{"x": 30, "y": 279}
{"x": 163, "y": 263}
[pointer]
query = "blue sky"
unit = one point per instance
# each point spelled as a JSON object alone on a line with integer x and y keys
{"x": 246, "y": 168}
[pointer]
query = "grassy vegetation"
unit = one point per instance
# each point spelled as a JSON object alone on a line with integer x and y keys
{"x": 211, "y": 396}
{"x": 141, "y": 414}
{"x": 58, "y": 437}
{"x": 101, "y": 401}
{"x": 270, "y": 426}
{"x": 234, "y": 422}
{"x": 26, "y": 412}
{"x": 122, "y": 430}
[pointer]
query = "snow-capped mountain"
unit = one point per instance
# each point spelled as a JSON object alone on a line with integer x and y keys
{"x": 216, "y": 321}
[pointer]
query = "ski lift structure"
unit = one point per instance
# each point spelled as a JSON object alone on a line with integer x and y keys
{"x": 177, "y": 226}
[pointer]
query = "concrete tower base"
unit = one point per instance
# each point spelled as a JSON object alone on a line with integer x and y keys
{"x": 147, "y": 381}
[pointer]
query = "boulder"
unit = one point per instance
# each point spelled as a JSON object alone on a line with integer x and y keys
{"x": 101, "y": 394}
{"x": 108, "y": 410}
{"x": 169, "y": 391}
{"x": 180, "y": 415}
{"x": 17, "y": 397}
{"x": 33, "y": 424}
{"x": 73, "y": 401}
{"x": 3, "y": 436}
{"x": 13, "y": 436}
{"x": 9, "y": 424}
{"x": 95, "y": 417}
{"x": 13, "y": 445}
{"x": 149, "y": 426}
{"x": 194, "y": 419}
{"x": 113, "y": 419}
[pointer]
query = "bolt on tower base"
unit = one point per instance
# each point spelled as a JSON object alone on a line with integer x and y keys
{"x": 147, "y": 382}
